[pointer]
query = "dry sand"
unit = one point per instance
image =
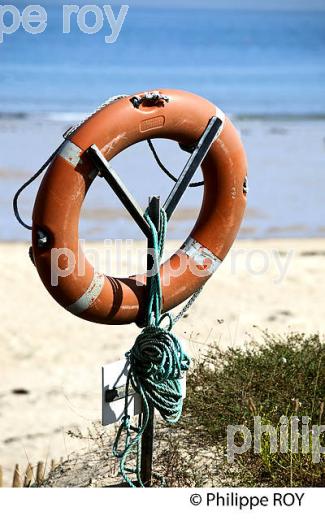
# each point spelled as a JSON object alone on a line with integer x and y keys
{"x": 56, "y": 357}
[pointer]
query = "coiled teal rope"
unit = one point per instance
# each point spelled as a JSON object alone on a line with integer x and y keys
{"x": 156, "y": 362}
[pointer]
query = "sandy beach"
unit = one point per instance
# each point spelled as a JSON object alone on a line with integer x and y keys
{"x": 51, "y": 360}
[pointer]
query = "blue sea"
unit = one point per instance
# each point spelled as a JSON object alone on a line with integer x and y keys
{"x": 265, "y": 68}
{"x": 248, "y": 62}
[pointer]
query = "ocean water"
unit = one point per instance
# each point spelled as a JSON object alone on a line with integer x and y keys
{"x": 248, "y": 62}
{"x": 264, "y": 68}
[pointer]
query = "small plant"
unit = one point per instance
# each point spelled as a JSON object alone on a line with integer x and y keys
{"x": 280, "y": 377}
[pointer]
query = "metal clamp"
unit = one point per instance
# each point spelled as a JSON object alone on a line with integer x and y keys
{"x": 114, "y": 394}
{"x": 150, "y": 98}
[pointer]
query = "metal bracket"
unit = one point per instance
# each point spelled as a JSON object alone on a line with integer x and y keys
{"x": 112, "y": 178}
{"x": 114, "y": 394}
{"x": 192, "y": 165}
{"x": 108, "y": 173}
{"x": 150, "y": 98}
{"x": 194, "y": 162}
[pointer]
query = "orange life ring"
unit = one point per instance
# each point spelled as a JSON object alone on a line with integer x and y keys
{"x": 104, "y": 299}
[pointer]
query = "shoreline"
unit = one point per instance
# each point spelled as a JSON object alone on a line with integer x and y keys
{"x": 63, "y": 116}
{"x": 283, "y": 200}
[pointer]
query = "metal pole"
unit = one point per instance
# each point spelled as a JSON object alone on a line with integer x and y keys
{"x": 148, "y": 434}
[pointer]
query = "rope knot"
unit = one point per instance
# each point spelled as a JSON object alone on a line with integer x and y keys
{"x": 157, "y": 361}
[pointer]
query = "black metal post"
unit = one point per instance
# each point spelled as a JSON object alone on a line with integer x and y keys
{"x": 148, "y": 434}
